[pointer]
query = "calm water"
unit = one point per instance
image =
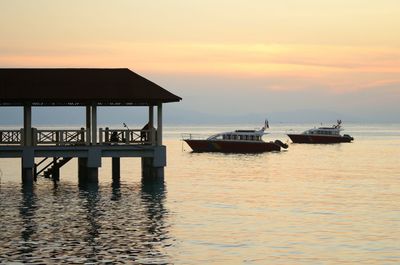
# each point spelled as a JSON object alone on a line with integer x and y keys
{"x": 312, "y": 204}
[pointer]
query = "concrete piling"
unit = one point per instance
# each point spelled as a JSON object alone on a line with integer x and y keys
{"x": 116, "y": 168}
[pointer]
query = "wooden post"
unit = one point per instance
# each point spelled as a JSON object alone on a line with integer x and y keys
{"x": 116, "y": 168}
{"x": 27, "y": 165}
{"x": 88, "y": 125}
{"x": 27, "y": 175}
{"x": 34, "y": 136}
{"x": 159, "y": 124}
{"x": 151, "y": 116}
{"x": 101, "y": 135}
{"x": 82, "y": 135}
{"x": 126, "y": 134}
{"x": 107, "y": 135}
{"x": 151, "y": 126}
{"x": 94, "y": 124}
{"x": 22, "y": 137}
{"x": 82, "y": 164}
{"x": 27, "y": 125}
{"x": 61, "y": 137}
{"x": 93, "y": 174}
{"x": 58, "y": 137}
{"x": 56, "y": 170}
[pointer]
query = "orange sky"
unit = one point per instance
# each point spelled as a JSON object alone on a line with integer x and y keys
{"x": 337, "y": 45}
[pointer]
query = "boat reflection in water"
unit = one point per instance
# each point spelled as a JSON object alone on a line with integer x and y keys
{"x": 239, "y": 141}
{"x": 322, "y": 135}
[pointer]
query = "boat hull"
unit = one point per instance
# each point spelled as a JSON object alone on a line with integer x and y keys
{"x": 231, "y": 146}
{"x": 319, "y": 139}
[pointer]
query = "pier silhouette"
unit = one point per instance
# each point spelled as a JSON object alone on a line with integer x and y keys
{"x": 45, "y": 151}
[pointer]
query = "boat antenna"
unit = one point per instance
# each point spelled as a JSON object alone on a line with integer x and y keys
{"x": 266, "y": 125}
{"x": 126, "y": 126}
{"x": 339, "y": 122}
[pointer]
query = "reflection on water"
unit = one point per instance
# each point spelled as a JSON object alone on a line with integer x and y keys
{"x": 313, "y": 204}
{"x": 51, "y": 223}
{"x": 153, "y": 195}
{"x": 90, "y": 198}
{"x": 27, "y": 210}
{"x": 116, "y": 190}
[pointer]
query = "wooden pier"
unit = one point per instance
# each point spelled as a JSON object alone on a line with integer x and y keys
{"x": 45, "y": 151}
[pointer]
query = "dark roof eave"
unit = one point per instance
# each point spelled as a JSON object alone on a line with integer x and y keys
{"x": 79, "y": 86}
{"x": 20, "y": 102}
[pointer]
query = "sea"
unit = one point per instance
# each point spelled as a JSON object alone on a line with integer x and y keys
{"x": 309, "y": 204}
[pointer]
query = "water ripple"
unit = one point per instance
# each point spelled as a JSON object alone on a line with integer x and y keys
{"x": 44, "y": 224}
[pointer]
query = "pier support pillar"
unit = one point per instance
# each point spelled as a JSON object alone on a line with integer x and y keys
{"x": 82, "y": 172}
{"x": 116, "y": 168}
{"x": 27, "y": 166}
{"x": 82, "y": 162}
{"x": 27, "y": 175}
{"x": 153, "y": 167}
{"x": 87, "y": 174}
{"x": 93, "y": 163}
{"x": 88, "y": 167}
{"x": 56, "y": 171}
{"x": 93, "y": 174}
{"x": 149, "y": 172}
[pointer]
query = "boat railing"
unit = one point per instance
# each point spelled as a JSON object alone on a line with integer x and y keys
{"x": 294, "y": 131}
{"x": 193, "y": 136}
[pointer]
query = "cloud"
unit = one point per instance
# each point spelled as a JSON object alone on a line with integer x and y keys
{"x": 286, "y": 66}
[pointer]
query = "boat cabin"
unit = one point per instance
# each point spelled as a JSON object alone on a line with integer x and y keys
{"x": 239, "y": 135}
{"x": 324, "y": 131}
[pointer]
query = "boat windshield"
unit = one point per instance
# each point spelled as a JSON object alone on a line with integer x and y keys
{"x": 236, "y": 137}
{"x": 323, "y": 131}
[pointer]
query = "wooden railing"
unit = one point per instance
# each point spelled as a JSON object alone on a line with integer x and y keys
{"x": 126, "y": 136}
{"x": 11, "y": 136}
{"x": 78, "y": 137}
{"x": 58, "y": 137}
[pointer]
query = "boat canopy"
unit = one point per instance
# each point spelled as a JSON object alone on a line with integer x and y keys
{"x": 324, "y": 131}
{"x": 244, "y": 135}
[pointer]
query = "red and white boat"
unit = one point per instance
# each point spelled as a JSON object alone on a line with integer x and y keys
{"x": 239, "y": 141}
{"x": 322, "y": 135}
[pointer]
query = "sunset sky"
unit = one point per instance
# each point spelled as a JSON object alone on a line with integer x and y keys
{"x": 231, "y": 57}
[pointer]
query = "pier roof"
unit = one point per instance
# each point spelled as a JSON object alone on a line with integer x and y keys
{"x": 79, "y": 86}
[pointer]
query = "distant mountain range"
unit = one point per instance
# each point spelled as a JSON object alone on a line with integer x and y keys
{"x": 192, "y": 117}
{"x": 179, "y": 116}
{"x": 176, "y": 115}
